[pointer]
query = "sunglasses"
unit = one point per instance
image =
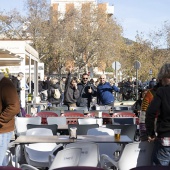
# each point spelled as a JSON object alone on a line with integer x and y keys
{"x": 85, "y": 78}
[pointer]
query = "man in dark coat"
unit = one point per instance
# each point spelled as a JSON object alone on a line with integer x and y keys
{"x": 160, "y": 107}
{"x": 87, "y": 91}
{"x": 17, "y": 82}
{"x": 152, "y": 83}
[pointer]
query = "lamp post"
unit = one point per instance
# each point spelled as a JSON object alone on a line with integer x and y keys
{"x": 150, "y": 73}
{"x": 116, "y": 66}
{"x": 137, "y": 65}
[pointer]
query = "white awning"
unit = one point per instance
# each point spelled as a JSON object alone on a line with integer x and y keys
{"x": 20, "y": 53}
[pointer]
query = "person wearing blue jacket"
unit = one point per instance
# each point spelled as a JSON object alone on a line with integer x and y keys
{"x": 105, "y": 92}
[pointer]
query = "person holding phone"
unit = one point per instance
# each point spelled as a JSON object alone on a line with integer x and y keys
{"x": 105, "y": 95}
{"x": 71, "y": 93}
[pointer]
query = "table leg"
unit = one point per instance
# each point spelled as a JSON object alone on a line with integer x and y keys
{"x": 17, "y": 152}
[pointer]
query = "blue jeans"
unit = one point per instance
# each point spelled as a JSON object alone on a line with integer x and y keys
{"x": 38, "y": 108}
{"x": 161, "y": 154}
{"x": 4, "y": 141}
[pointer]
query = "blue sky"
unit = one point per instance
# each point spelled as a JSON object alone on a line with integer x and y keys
{"x": 141, "y": 15}
{"x": 134, "y": 15}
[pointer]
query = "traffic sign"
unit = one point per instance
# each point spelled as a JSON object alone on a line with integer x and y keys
{"x": 150, "y": 71}
{"x": 116, "y": 65}
{"x": 137, "y": 65}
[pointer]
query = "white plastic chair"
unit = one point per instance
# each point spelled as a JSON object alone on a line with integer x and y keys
{"x": 21, "y": 128}
{"x": 105, "y": 148}
{"x": 38, "y": 154}
{"x": 67, "y": 157}
{"x": 89, "y": 155}
{"x": 64, "y": 158}
{"x": 124, "y": 120}
{"x": 9, "y": 159}
{"x": 21, "y": 124}
{"x": 122, "y": 108}
{"x": 134, "y": 155}
{"x": 86, "y": 121}
{"x": 57, "y": 120}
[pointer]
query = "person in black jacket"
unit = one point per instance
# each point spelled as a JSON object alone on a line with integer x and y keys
{"x": 17, "y": 82}
{"x": 40, "y": 84}
{"x": 160, "y": 104}
{"x": 71, "y": 93}
{"x": 46, "y": 83}
{"x": 152, "y": 83}
{"x": 51, "y": 91}
{"x": 87, "y": 91}
{"x": 136, "y": 107}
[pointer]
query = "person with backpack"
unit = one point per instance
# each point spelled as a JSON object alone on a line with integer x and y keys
{"x": 54, "y": 93}
{"x": 71, "y": 93}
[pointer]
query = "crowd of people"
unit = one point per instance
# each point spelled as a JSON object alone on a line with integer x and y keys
{"x": 75, "y": 92}
{"x": 85, "y": 92}
{"x": 82, "y": 92}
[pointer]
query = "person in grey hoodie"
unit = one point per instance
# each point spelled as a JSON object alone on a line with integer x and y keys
{"x": 71, "y": 93}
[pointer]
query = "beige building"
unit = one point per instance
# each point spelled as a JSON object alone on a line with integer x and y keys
{"x": 90, "y": 14}
{"x": 62, "y": 6}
